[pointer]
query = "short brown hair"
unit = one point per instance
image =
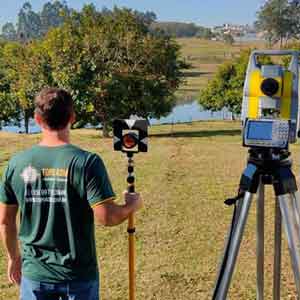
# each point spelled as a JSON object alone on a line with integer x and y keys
{"x": 55, "y": 106}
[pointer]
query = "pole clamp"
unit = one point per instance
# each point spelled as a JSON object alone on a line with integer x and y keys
{"x": 131, "y": 230}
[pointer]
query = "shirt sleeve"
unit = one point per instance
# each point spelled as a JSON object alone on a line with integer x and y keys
{"x": 7, "y": 195}
{"x": 98, "y": 185}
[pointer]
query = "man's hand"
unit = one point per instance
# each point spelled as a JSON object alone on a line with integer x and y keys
{"x": 133, "y": 200}
{"x": 8, "y": 233}
{"x": 111, "y": 214}
{"x": 14, "y": 270}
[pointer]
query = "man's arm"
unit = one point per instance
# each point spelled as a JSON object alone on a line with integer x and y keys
{"x": 110, "y": 214}
{"x": 9, "y": 232}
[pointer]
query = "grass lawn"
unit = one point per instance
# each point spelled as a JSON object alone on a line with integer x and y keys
{"x": 189, "y": 171}
{"x": 205, "y": 57}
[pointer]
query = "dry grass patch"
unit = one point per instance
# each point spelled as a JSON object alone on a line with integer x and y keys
{"x": 205, "y": 57}
{"x": 189, "y": 171}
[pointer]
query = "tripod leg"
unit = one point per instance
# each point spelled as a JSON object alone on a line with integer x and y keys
{"x": 296, "y": 203}
{"x": 260, "y": 214}
{"x": 291, "y": 223}
{"x": 232, "y": 249}
{"x": 277, "y": 252}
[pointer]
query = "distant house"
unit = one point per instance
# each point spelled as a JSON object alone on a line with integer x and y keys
{"x": 234, "y": 29}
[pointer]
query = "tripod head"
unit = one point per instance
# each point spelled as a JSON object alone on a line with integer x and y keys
{"x": 271, "y": 166}
{"x": 265, "y": 156}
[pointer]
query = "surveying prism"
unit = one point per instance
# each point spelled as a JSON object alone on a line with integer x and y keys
{"x": 270, "y": 115}
{"x": 130, "y": 137}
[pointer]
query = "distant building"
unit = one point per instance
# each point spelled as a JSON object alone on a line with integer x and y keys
{"x": 234, "y": 29}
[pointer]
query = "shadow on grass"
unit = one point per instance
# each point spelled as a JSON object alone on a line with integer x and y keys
{"x": 202, "y": 133}
{"x": 195, "y": 73}
{"x": 186, "y": 90}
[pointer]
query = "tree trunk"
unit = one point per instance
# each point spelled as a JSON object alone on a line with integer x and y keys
{"x": 232, "y": 116}
{"x": 105, "y": 129}
{"x": 26, "y": 122}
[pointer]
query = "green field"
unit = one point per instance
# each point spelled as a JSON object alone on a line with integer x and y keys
{"x": 189, "y": 170}
{"x": 205, "y": 57}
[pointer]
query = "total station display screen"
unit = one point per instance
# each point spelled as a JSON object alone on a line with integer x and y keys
{"x": 260, "y": 131}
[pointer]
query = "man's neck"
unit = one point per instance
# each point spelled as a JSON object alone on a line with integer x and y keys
{"x": 55, "y": 138}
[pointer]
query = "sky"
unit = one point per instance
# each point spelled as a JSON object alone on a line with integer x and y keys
{"x": 202, "y": 12}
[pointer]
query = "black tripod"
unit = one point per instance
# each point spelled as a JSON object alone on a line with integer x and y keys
{"x": 265, "y": 166}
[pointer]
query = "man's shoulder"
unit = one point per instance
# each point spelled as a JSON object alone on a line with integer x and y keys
{"x": 35, "y": 151}
{"x": 85, "y": 154}
{"x": 19, "y": 156}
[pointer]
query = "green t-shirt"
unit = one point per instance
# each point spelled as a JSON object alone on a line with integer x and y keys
{"x": 55, "y": 189}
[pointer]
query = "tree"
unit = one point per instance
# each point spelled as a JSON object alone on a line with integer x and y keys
{"x": 33, "y": 25}
{"x": 228, "y": 38}
{"x": 53, "y": 15}
{"x": 9, "y": 110}
{"x": 28, "y": 71}
{"x": 114, "y": 66}
{"x": 176, "y": 29}
{"x": 226, "y": 89}
{"x": 29, "y": 23}
{"x": 294, "y": 20}
{"x": 146, "y": 18}
{"x": 279, "y": 20}
{"x": 9, "y": 32}
{"x": 205, "y": 33}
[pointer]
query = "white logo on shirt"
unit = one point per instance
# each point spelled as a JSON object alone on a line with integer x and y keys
{"x": 30, "y": 174}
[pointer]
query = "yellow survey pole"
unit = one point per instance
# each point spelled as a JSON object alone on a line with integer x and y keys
{"x": 131, "y": 231}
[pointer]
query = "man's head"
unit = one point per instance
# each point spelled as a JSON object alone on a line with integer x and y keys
{"x": 54, "y": 109}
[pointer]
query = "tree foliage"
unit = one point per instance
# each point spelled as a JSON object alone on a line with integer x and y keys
{"x": 114, "y": 66}
{"x": 205, "y": 33}
{"x": 109, "y": 60}
{"x": 28, "y": 71}
{"x": 9, "y": 108}
{"x": 181, "y": 29}
{"x": 225, "y": 90}
{"x": 9, "y": 32}
{"x": 32, "y": 25}
{"x": 279, "y": 20}
{"x": 176, "y": 29}
{"x": 52, "y": 15}
{"x": 228, "y": 39}
{"x": 29, "y": 23}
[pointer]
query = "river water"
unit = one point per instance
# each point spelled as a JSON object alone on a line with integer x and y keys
{"x": 181, "y": 113}
{"x": 189, "y": 112}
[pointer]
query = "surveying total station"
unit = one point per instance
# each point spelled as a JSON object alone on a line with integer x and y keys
{"x": 270, "y": 115}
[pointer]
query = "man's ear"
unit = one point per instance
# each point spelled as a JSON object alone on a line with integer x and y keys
{"x": 73, "y": 118}
{"x": 38, "y": 119}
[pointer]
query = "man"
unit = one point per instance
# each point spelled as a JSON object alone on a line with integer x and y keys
{"x": 59, "y": 190}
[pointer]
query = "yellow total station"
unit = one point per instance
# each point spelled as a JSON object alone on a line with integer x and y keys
{"x": 270, "y": 95}
{"x": 271, "y": 91}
